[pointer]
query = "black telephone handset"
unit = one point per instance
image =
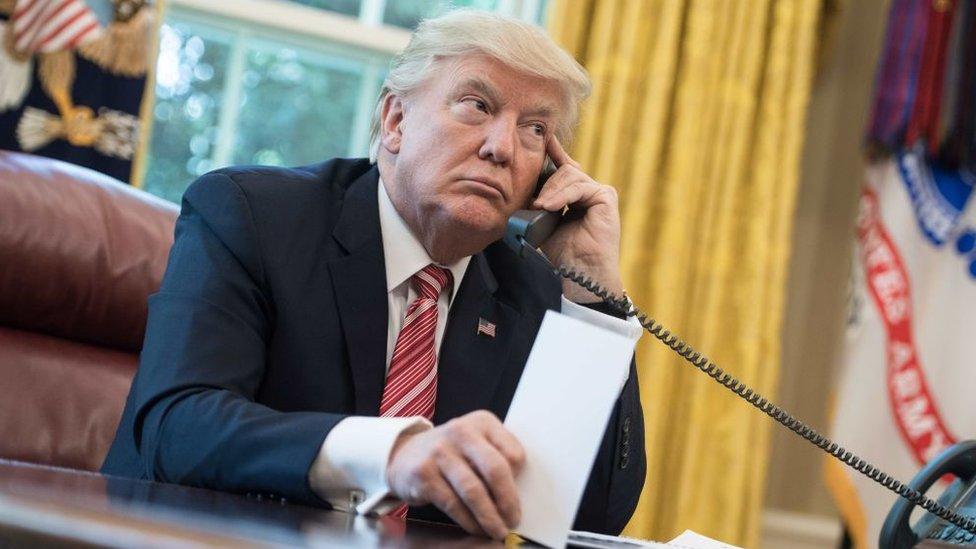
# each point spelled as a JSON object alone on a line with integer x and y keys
{"x": 528, "y": 229}
{"x": 958, "y": 460}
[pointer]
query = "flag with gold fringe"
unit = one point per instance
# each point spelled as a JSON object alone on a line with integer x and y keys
{"x": 906, "y": 390}
{"x": 73, "y": 77}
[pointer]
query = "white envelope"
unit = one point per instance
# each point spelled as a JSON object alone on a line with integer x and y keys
{"x": 559, "y": 413}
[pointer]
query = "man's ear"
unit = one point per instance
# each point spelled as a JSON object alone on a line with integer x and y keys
{"x": 391, "y": 118}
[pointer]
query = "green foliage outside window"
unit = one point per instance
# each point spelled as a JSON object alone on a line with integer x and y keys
{"x": 226, "y": 97}
{"x": 293, "y": 110}
{"x": 189, "y": 89}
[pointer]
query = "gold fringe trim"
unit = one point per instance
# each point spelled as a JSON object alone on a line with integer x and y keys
{"x": 112, "y": 133}
{"x": 37, "y": 128}
{"x": 125, "y": 48}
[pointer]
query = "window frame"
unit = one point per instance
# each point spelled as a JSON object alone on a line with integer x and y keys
{"x": 365, "y": 41}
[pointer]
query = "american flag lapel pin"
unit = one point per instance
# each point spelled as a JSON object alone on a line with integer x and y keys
{"x": 486, "y": 328}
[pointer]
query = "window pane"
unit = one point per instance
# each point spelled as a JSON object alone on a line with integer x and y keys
{"x": 189, "y": 87}
{"x": 408, "y": 13}
{"x": 542, "y": 13}
{"x": 297, "y": 107}
{"x": 345, "y": 7}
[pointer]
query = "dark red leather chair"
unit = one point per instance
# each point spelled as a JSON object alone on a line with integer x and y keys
{"x": 79, "y": 255}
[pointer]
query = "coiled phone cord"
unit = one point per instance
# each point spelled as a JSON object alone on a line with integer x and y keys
{"x": 696, "y": 359}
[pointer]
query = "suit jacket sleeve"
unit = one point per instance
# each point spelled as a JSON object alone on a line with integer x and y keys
{"x": 203, "y": 360}
{"x": 617, "y": 477}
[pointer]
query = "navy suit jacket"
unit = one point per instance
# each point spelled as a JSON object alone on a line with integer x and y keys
{"x": 270, "y": 328}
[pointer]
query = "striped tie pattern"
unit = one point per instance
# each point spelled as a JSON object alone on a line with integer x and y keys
{"x": 411, "y": 382}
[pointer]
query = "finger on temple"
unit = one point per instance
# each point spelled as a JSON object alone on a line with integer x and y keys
{"x": 557, "y": 153}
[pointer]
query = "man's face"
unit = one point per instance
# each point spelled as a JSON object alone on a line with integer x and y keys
{"x": 472, "y": 145}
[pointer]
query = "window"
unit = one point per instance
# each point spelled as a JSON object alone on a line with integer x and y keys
{"x": 235, "y": 86}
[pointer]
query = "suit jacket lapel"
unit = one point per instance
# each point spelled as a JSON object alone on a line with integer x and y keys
{"x": 470, "y": 364}
{"x": 359, "y": 281}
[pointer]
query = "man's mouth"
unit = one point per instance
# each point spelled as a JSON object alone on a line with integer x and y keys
{"x": 490, "y": 186}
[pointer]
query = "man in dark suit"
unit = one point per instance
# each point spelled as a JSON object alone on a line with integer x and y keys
{"x": 349, "y": 333}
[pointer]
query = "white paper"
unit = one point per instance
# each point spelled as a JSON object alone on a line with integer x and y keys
{"x": 559, "y": 413}
{"x": 692, "y": 540}
{"x": 591, "y": 540}
{"x": 687, "y": 540}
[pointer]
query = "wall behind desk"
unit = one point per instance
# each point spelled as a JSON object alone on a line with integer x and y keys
{"x": 832, "y": 172}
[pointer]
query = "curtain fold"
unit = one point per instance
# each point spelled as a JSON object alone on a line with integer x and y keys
{"x": 697, "y": 118}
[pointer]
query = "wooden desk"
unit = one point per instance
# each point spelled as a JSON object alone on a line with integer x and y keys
{"x": 53, "y": 507}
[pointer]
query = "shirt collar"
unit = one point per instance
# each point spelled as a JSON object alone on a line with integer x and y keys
{"x": 403, "y": 253}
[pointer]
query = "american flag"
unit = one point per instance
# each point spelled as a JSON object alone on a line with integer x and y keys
{"x": 52, "y": 25}
{"x": 486, "y": 328}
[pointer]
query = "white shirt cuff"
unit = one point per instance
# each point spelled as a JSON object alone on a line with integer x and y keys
{"x": 350, "y": 470}
{"x": 629, "y": 328}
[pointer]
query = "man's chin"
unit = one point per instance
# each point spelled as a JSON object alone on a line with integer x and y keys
{"x": 478, "y": 219}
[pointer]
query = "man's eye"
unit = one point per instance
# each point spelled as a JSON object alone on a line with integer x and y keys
{"x": 478, "y": 104}
{"x": 537, "y": 129}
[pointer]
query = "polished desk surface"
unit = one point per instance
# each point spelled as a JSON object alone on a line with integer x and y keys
{"x": 49, "y": 506}
{"x": 43, "y": 506}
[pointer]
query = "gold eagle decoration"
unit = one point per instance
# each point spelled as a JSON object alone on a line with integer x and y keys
{"x": 124, "y": 48}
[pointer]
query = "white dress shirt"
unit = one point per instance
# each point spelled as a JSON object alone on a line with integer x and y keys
{"x": 350, "y": 470}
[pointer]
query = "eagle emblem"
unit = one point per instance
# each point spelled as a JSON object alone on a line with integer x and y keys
{"x": 50, "y": 33}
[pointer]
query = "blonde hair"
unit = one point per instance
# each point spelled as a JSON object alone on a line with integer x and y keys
{"x": 520, "y": 45}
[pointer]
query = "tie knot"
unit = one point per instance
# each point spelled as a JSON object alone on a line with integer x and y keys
{"x": 431, "y": 280}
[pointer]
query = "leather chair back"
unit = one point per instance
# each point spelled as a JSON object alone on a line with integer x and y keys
{"x": 80, "y": 253}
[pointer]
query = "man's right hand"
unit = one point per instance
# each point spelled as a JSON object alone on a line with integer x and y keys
{"x": 466, "y": 467}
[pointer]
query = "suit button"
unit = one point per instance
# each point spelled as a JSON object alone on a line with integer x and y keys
{"x": 356, "y": 497}
{"x": 624, "y": 461}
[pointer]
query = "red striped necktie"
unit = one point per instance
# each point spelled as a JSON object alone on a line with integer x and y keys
{"x": 411, "y": 382}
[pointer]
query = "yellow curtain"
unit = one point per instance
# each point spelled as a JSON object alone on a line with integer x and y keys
{"x": 697, "y": 118}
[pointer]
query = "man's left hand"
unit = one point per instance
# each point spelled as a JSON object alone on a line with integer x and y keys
{"x": 592, "y": 243}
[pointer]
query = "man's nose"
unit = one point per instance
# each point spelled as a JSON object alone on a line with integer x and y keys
{"x": 500, "y": 139}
